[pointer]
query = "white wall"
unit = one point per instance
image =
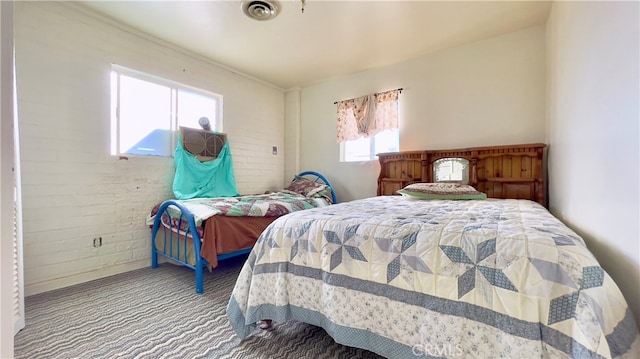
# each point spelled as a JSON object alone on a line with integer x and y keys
{"x": 292, "y": 134}
{"x": 491, "y": 92}
{"x": 73, "y": 189}
{"x": 7, "y": 281}
{"x": 594, "y": 152}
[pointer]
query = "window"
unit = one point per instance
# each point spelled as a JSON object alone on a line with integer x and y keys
{"x": 147, "y": 111}
{"x": 365, "y": 149}
{"x": 368, "y": 125}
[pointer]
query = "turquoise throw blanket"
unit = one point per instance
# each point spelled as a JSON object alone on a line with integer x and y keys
{"x": 195, "y": 179}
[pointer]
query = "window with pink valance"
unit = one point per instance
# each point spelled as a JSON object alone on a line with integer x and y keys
{"x": 367, "y": 115}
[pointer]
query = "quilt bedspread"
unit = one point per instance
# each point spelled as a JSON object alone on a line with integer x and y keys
{"x": 406, "y": 279}
{"x": 272, "y": 204}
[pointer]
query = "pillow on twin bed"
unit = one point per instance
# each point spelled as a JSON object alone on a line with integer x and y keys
{"x": 308, "y": 188}
{"x": 453, "y": 191}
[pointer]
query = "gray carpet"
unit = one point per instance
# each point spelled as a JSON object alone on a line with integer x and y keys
{"x": 155, "y": 313}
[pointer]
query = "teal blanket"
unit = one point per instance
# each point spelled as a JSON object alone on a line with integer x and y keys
{"x": 195, "y": 179}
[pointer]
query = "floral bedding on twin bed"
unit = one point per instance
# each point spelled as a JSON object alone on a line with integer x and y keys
{"x": 273, "y": 204}
{"x": 302, "y": 193}
{"x": 406, "y": 278}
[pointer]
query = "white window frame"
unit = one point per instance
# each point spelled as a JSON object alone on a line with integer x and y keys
{"x": 373, "y": 154}
{"x": 118, "y": 71}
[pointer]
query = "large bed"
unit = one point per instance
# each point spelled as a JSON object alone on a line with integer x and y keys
{"x": 405, "y": 277}
{"x": 197, "y": 233}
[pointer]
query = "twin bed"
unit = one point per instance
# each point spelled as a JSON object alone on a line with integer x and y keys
{"x": 456, "y": 275}
{"x": 196, "y": 233}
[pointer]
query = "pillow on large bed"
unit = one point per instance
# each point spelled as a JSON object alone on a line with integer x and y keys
{"x": 308, "y": 188}
{"x": 453, "y": 191}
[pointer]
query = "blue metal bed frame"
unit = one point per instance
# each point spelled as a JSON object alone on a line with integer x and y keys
{"x": 191, "y": 231}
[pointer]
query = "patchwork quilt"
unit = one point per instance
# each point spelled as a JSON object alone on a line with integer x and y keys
{"x": 272, "y": 204}
{"x": 412, "y": 278}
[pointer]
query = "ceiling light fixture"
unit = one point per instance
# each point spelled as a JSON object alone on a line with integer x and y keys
{"x": 261, "y": 10}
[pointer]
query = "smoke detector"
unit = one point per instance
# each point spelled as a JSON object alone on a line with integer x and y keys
{"x": 261, "y": 10}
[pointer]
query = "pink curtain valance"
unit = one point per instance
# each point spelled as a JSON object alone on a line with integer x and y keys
{"x": 367, "y": 115}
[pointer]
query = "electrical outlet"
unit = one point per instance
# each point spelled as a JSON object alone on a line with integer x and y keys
{"x": 97, "y": 242}
{"x": 274, "y": 150}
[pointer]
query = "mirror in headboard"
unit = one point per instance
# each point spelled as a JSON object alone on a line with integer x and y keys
{"x": 452, "y": 170}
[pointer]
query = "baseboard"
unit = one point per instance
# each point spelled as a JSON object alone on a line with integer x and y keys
{"x": 52, "y": 284}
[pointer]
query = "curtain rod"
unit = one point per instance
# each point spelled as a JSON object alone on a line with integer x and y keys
{"x": 399, "y": 89}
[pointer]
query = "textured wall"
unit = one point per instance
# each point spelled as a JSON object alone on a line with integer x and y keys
{"x": 73, "y": 189}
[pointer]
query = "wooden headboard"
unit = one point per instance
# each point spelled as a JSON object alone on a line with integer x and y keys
{"x": 512, "y": 171}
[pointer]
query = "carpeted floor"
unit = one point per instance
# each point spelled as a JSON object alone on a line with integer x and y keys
{"x": 155, "y": 313}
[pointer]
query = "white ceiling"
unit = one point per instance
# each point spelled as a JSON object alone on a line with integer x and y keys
{"x": 330, "y": 39}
